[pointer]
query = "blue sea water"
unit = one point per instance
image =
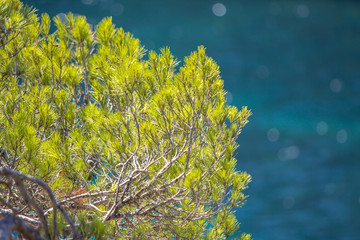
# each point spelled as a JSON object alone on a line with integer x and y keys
{"x": 296, "y": 64}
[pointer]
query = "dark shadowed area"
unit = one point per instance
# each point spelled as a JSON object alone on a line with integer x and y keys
{"x": 296, "y": 64}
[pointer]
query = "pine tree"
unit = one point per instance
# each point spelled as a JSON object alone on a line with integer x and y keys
{"x": 100, "y": 139}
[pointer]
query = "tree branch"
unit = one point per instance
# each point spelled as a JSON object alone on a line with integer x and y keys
{"x": 19, "y": 177}
{"x": 11, "y": 223}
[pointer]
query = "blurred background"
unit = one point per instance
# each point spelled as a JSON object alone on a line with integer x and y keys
{"x": 296, "y": 64}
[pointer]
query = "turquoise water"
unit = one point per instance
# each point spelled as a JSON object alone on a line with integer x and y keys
{"x": 296, "y": 64}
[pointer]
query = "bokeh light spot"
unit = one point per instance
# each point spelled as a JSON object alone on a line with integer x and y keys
{"x": 322, "y": 128}
{"x": 341, "y": 136}
{"x": 273, "y": 134}
{"x": 176, "y": 32}
{"x": 229, "y": 97}
{"x": 262, "y": 72}
{"x": 117, "y": 9}
{"x": 89, "y": 2}
{"x": 289, "y": 153}
{"x": 302, "y": 11}
{"x": 330, "y": 188}
{"x": 62, "y": 17}
{"x": 288, "y": 202}
{"x": 336, "y": 85}
{"x": 219, "y": 9}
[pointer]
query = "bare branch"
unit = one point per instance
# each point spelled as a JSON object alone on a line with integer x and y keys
{"x": 11, "y": 223}
{"x": 19, "y": 177}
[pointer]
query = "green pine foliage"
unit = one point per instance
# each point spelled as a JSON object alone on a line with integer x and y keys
{"x": 84, "y": 110}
